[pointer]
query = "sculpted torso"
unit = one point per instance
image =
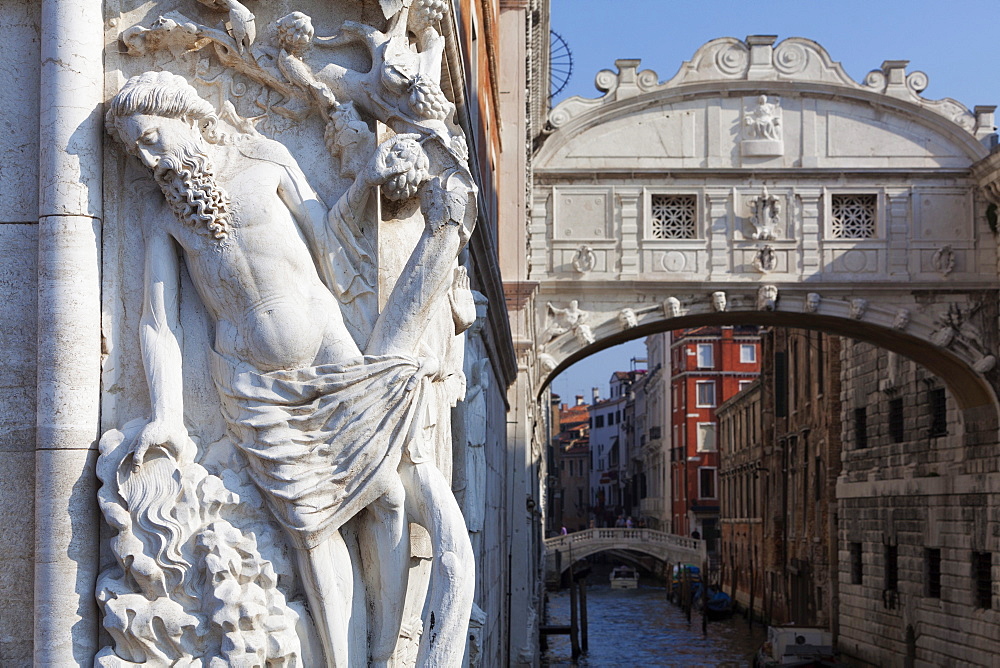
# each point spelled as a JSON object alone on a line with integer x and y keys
{"x": 270, "y": 306}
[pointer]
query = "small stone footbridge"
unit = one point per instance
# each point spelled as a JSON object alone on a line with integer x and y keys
{"x": 561, "y": 551}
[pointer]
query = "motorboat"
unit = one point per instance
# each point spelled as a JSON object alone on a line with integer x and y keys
{"x": 800, "y": 646}
{"x": 624, "y": 577}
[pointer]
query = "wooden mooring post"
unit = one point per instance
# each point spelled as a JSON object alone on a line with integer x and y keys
{"x": 583, "y": 613}
{"x": 574, "y": 620}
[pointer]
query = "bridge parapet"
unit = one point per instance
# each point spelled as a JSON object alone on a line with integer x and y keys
{"x": 561, "y": 551}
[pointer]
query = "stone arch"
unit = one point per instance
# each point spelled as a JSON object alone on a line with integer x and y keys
{"x": 922, "y": 281}
{"x": 642, "y": 549}
{"x": 907, "y": 327}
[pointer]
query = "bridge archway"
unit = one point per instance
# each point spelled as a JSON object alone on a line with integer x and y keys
{"x": 762, "y": 185}
{"x": 562, "y": 551}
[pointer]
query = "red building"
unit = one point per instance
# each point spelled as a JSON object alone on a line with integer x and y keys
{"x": 708, "y": 366}
{"x": 569, "y": 500}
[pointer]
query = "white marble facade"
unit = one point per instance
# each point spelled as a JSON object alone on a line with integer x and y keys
{"x": 254, "y": 287}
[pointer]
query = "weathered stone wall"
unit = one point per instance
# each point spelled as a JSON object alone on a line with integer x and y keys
{"x": 19, "y": 24}
{"x": 922, "y": 493}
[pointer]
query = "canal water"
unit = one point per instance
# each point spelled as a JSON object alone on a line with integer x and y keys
{"x": 639, "y": 627}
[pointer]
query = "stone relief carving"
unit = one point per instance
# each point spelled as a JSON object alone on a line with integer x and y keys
{"x": 767, "y": 297}
{"x": 762, "y": 130}
{"x": 812, "y": 302}
{"x": 547, "y": 363}
{"x": 764, "y": 212}
{"x": 570, "y": 319}
{"x": 627, "y": 318}
{"x": 585, "y": 260}
{"x": 902, "y": 319}
{"x": 719, "y": 301}
{"x": 858, "y": 308}
{"x": 340, "y": 424}
{"x": 672, "y": 307}
{"x": 765, "y": 261}
{"x": 957, "y": 328}
{"x": 943, "y": 260}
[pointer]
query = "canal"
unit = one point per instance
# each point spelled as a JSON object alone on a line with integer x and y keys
{"x": 639, "y": 627}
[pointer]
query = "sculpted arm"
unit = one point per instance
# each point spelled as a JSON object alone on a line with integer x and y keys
{"x": 161, "y": 353}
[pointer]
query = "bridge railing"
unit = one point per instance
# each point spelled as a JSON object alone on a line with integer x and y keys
{"x": 620, "y": 535}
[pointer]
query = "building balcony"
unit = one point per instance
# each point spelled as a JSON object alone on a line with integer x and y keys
{"x": 651, "y": 505}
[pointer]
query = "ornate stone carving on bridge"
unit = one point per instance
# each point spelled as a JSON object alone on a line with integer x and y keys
{"x": 627, "y": 318}
{"x": 813, "y": 300}
{"x": 719, "y": 301}
{"x": 765, "y": 210}
{"x": 585, "y": 260}
{"x": 338, "y": 434}
{"x": 570, "y": 319}
{"x": 957, "y": 329}
{"x": 765, "y": 261}
{"x": 858, "y": 308}
{"x": 672, "y": 307}
{"x": 943, "y": 260}
{"x": 902, "y": 319}
{"x": 762, "y": 130}
{"x": 767, "y": 297}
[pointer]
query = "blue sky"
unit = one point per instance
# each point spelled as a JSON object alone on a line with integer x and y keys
{"x": 956, "y": 44}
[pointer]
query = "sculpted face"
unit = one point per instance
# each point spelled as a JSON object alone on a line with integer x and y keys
{"x": 153, "y": 138}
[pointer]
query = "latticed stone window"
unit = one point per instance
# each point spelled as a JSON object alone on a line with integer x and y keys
{"x": 674, "y": 216}
{"x": 853, "y": 216}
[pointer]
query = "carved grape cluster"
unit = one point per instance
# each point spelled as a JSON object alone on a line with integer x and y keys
{"x": 429, "y": 11}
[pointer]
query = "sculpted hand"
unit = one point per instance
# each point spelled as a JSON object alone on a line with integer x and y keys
{"x": 171, "y": 438}
{"x": 463, "y": 304}
{"x": 429, "y": 366}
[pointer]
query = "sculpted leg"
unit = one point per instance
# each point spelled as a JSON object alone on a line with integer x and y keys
{"x": 328, "y": 579}
{"x": 385, "y": 560}
{"x": 449, "y": 599}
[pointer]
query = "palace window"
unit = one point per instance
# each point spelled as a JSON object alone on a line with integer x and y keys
{"x": 982, "y": 571}
{"x": 896, "y": 423}
{"x": 892, "y": 567}
{"x": 939, "y": 412}
{"x": 932, "y": 572}
{"x": 853, "y": 216}
{"x": 673, "y": 216}
{"x": 856, "y": 564}
{"x": 861, "y": 427}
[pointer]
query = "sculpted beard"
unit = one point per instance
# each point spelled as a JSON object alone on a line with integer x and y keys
{"x": 188, "y": 183}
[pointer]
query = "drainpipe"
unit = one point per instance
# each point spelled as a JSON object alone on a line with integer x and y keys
{"x": 69, "y": 332}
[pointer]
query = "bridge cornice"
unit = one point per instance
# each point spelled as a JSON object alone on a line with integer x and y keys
{"x": 796, "y": 66}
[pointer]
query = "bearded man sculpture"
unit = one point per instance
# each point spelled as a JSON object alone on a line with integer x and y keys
{"x": 323, "y": 421}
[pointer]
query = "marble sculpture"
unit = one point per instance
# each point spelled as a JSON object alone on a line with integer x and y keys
{"x": 338, "y": 408}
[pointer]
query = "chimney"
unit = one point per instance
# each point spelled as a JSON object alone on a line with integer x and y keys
{"x": 597, "y": 394}
{"x": 579, "y": 400}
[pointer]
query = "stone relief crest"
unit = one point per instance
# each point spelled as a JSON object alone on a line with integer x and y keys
{"x": 943, "y": 260}
{"x": 762, "y": 129}
{"x": 765, "y": 210}
{"x": 585, "y": 260}
{"x": 765, "y": 261}
{"x": 338, "y": 426}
